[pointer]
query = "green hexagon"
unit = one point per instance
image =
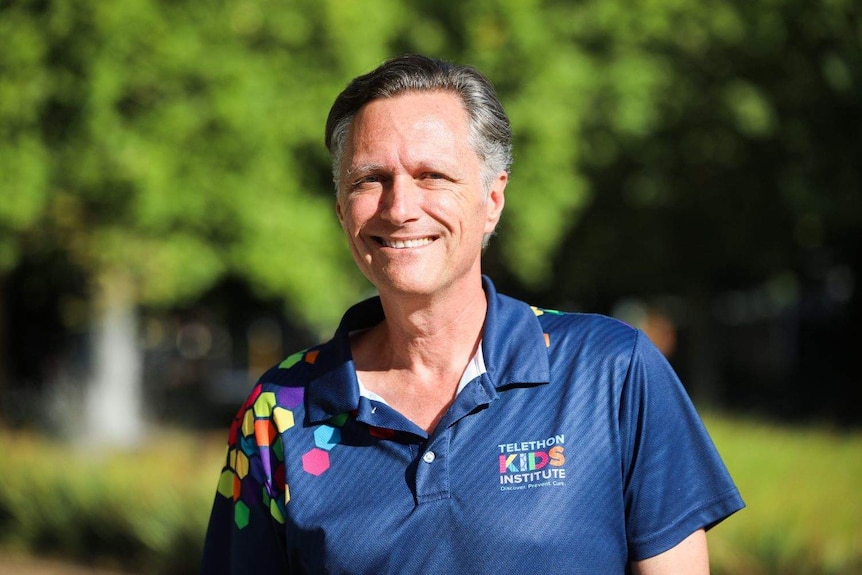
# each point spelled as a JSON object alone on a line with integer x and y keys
{"x": 264, "y": 403}
{"x": 338, "y": 420}
{"x": 240, "y": 514}
{"x": 277, "y": 448}
{"x": 225, "y": 483}
{"x": 275, "y": 511}
{"x": 291, "y": 360}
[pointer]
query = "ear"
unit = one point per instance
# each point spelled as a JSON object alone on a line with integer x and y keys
{"x": 495, "y": 201}
{"x": 338, "y": 209}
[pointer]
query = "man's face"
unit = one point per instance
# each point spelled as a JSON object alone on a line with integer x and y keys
{"x": 411, "y": 198}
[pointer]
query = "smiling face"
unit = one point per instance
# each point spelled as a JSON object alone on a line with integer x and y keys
{"x": 411, "y": 199}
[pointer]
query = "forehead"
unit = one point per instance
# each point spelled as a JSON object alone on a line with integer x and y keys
{"x": 409, "y": 124}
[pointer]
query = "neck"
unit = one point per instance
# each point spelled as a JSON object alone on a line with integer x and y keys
{"x": 427, "y": 332}
{"x": 416, "y": 356}
{"x": 433, "y": 330}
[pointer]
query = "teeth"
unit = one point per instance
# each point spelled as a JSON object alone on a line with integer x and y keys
{"x": 401, "y": 244}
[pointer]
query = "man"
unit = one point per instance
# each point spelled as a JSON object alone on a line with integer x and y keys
{"x": 447, "y": 428}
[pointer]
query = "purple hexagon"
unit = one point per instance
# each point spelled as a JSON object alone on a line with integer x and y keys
{"x": 290, "y": 397}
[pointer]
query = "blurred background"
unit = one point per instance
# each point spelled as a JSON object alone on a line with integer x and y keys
{"x": 167, "y": 232}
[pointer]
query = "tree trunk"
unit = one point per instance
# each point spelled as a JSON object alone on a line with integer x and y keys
{"x": 114, "y": 394}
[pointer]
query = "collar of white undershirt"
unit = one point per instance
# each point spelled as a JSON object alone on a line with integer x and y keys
{"x": 474, "y": 369}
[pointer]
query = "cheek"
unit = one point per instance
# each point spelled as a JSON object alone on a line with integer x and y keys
{"x": 446, "y": 206}
{"x": 349, "y": 215}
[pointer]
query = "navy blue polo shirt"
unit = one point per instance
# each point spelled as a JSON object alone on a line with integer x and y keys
{"x": 577, "y": 451}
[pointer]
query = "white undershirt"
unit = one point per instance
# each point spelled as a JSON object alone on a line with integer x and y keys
{"x": 474, "y": 369}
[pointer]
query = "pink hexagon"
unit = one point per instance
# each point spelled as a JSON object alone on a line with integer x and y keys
{"x": 315, "y": 461}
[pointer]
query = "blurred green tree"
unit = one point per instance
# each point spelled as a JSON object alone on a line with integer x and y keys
{"x": 162, "y": 145}
{"x": 723, "y": 153}
{"x": 22, "y": 152}
{"x": 726, "y": 138}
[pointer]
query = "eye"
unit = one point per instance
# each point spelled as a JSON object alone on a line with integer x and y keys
{"x": 434, "y": 176}
{"x": 365, "y": 181}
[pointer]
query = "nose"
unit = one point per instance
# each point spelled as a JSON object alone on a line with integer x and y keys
{"x": 400, "y": 200}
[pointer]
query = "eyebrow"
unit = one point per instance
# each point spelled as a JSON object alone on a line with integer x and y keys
{"x": 437, "y": 166}
{"x": 363, "y": 168}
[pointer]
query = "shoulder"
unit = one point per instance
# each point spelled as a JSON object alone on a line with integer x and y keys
{"x": 566, "y": 319}
{"x": 285, "y": 382}
{"x": 295, "y": 366}
{"x": 586, "y": 330}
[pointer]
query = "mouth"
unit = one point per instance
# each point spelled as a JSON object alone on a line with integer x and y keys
{"x": 404, "y": 244}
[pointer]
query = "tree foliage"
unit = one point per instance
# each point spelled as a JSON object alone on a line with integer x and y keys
{"x": 175, "y": 142}
{"x": 735, "y": 159}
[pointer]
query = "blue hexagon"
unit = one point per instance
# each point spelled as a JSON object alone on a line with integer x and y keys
{"x": 326, "y": 437}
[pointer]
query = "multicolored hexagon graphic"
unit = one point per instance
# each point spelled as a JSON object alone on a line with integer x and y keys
{"x": 254, "y": 470}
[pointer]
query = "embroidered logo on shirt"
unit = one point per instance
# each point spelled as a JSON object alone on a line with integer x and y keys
{"x": 532, "y": 464}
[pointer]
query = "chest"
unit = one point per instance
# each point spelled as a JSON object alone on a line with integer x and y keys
{"x": 515, "y": 484}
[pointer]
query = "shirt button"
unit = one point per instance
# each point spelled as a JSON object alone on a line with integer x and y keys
{"x": 428, "y": 457}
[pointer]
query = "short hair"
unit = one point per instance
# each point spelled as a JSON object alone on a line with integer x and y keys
{"x": 490, "y": 131}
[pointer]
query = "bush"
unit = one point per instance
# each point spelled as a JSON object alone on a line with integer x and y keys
{"x": 143, "y": 511}
{"x": 146, "y": 511}
{"x": 801, "y": 489}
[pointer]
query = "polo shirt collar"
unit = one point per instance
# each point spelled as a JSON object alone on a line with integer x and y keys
{"x": 513, "y": 342}
{"x": 513, "y": 345}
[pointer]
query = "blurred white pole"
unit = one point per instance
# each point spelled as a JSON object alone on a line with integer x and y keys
{"x": 114, "y": 394}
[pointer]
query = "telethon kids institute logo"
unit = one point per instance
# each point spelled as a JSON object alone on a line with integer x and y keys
{"x": 532, "y": 464}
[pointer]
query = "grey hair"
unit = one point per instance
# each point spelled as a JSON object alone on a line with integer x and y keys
{"x": 490, "y": 132}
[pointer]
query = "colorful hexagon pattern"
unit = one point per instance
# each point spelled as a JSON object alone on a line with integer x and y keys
{"x": 254, "y": 473}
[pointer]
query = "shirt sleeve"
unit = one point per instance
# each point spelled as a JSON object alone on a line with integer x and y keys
{"x": 675, "y": 481}
{"x": 246, "y": 528}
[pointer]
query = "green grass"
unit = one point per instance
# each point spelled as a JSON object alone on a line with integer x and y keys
{"x": 146, "y": 511}
{"x": 801, "y": 487}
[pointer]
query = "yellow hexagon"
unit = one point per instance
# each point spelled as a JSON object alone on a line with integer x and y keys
{"x": 248, "y": 423}
{"x": 241, "y": 466}
{"x": 283, "y": 418}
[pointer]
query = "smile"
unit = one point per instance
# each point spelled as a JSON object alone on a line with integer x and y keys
{"x": 404, "y": 244}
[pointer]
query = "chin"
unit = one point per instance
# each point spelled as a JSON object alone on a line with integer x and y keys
{"x": 418, "y": 284}
{"x": 414, "y": 283}
{"x": 406, "y": 287}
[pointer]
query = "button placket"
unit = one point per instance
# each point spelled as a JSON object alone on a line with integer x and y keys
{"x": 432, "y": 474}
